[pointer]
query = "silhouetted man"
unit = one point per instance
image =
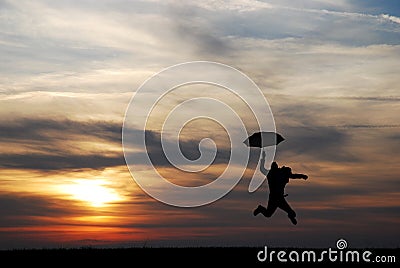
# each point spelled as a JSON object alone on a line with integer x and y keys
{"x": 277, "y": 180}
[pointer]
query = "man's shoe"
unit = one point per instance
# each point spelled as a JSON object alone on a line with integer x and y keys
{"x": 293, "y": 220}
{"x": 257, "y": 210}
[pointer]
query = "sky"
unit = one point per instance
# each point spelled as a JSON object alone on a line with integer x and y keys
{"x": 329, "y": 70}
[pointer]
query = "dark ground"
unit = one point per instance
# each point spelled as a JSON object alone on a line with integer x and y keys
{"x": 166, "y": 257}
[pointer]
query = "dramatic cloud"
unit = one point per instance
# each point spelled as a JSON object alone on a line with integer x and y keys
{"x": 56, "y": 162}
{"x": 317, "y": 143}
{"x": 15, "y": 207}
{"x": 59, "y": 145}
{"x": 47, "y": 130}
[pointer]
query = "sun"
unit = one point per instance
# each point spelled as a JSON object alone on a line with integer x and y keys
{"x": 95, "y": 192}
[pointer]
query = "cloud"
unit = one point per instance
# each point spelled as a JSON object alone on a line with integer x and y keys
{"x": 17, "y": 205}
{"x": 372, "y": 98}
{"x": 192, "y": 28}
{"x": 315, "y": 22}
{"x": 322, "y": 143}
{"x": 45, "y": 130}
{"x": 48, "y": 144}
{"x": 391, "y": 18}
{"x": 59, "y": 162}
{"x": 58, "y": 144}
{"x": 189, "y": 148}
{"x": 369, "y": 126}
{"x": 78, "y": 106}
{"x": 236, "y": 5}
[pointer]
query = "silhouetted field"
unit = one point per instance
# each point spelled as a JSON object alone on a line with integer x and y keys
{"x": 186, "y": 256}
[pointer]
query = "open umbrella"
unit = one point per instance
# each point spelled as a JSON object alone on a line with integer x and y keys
{"x": 263, "y": 139}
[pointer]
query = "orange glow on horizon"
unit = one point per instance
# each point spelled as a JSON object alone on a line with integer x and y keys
{"x": 96, "y": 193}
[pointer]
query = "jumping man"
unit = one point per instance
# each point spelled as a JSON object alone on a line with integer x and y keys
{"x": 277, "y": 180}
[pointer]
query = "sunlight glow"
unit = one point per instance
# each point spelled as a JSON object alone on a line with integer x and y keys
{"x": 94, "y": 192}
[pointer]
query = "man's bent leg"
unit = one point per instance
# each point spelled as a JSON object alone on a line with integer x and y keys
{"x": 267, "y": 212}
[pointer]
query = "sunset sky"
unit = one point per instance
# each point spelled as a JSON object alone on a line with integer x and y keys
{"x": 329, "y": 70}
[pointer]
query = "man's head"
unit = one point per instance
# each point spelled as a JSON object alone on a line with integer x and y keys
{"x": 274, "y": 165}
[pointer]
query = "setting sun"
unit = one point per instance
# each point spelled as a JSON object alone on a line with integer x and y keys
{"x": 94, "y": 192}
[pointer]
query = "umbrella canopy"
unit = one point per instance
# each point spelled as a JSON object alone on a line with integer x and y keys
{"x": 263, "y": 139}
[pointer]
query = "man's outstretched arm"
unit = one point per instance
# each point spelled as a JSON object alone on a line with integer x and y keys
{"x": 262, "y": 164}
{"x": 298, "y": 176}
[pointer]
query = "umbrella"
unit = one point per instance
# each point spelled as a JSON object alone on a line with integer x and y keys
{"x": 263, "y": 139}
